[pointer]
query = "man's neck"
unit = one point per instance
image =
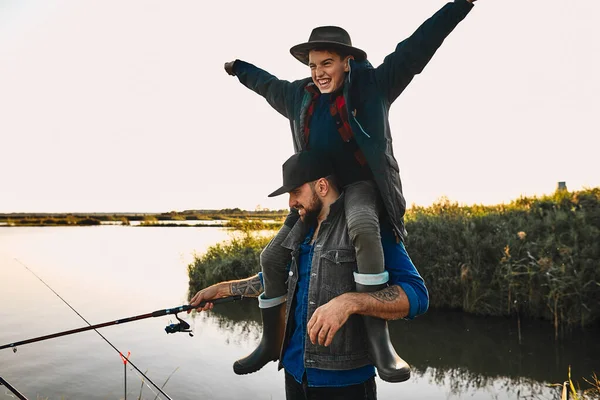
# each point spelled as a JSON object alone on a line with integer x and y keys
{"x": 327, "y": 202}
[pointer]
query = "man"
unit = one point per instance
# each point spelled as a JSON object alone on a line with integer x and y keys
{"x": 324, "y": 347}
{"x": 342, "y": 110}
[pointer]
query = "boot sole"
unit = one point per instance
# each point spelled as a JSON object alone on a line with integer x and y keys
{"x": 397, "y": 378}
{"x": 239, "y": 369}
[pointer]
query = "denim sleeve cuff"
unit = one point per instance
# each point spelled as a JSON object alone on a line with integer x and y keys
{"x": 413, "y": 300}
{"x": 262, "y": 280}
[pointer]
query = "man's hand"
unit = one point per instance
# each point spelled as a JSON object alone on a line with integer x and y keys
{"x": 213, "y": 292}
{"x": 328, "y": 319}
{"x": 229, "y": 67}
{"x": 389, "y": 303}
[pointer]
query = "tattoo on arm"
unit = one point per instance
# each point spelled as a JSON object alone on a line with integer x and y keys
{"x": 247, "y": 288}
{"x": 387, "y": 295}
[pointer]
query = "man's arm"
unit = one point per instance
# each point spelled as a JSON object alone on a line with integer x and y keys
{"x": 249, "y": 287}
{"x": 413, "y": 54}
{"x": 278, "y": 93}
{"x": 388, "y": 303}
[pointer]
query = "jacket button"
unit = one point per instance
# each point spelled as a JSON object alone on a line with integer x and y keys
{"x": 291, "y": 273}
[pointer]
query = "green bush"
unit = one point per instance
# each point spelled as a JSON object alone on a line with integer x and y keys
{"x": 236, "y": 259}
{"x": 537, "y": 257}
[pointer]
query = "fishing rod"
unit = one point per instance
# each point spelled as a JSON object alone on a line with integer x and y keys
{"x": 182, "y": 326}
{"x": 12, "y": 389}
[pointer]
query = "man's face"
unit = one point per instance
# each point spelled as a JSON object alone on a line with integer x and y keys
{"x": 305, "y": 199}
{"x": 327, "y": 70}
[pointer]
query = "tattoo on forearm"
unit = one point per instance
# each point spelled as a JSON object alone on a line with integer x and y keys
{"x": 248, "y": 288}
{"x": 387, "y": 295}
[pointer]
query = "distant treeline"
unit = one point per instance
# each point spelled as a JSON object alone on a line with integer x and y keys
{"x": 532, "y": 258}
{"x": 235, "y": 216}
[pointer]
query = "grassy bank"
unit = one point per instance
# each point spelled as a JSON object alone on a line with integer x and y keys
{"x": 535, "y": 257}
{"x": 532, "y": 258}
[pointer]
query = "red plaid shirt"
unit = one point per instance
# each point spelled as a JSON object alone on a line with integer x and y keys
{"x": 339, "y": 112}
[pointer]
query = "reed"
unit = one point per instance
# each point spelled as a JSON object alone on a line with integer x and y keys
{"x": 572, "y": 390}
{"x": 253, "y": 224}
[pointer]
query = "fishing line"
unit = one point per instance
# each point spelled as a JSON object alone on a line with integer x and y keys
{"x": 144, "y": 383}
{"x": 102, "y": 336}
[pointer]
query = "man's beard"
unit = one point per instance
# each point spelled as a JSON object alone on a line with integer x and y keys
{"x": 313, "y": 210}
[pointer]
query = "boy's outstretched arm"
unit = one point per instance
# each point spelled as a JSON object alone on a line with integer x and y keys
{"x": 412, "y": 54}
{"x": 278, "y": 93}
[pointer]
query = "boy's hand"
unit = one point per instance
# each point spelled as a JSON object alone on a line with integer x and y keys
{"x": 229, "y": 67}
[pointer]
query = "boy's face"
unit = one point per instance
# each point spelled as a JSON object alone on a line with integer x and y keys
{"x": 327, "y": 70}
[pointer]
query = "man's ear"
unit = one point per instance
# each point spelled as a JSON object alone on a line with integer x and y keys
{"x": 323, "y": 187}
{"x": 346, "y": 60}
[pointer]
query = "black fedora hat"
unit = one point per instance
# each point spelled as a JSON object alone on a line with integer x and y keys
{"x": 303, "y": 167}
{"x": 332, "y": 37}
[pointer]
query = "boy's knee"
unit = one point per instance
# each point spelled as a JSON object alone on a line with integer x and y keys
{"x": 273, "y": 258}
{"x": 361, "y": 226}
{"x": 266, "y": 258}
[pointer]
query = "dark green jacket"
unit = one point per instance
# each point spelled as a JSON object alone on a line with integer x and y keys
{"x": 369, "y": 92}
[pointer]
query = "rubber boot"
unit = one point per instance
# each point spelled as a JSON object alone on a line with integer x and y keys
{"x": 390, "y": 366}
{"x": 273, "y": 321}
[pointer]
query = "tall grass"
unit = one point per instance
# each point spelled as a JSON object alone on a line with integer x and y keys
{"x": 236, "y": 259}
{"x": 535, "y": 257}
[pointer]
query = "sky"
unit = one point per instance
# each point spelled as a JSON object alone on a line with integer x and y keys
{"x": 124, "y": 106}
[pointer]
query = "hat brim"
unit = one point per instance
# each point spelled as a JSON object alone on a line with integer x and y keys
{"x": 300, "y": 51}
{"x": 282, "y": 190}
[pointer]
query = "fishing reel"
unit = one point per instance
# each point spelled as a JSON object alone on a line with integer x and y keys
{"x": 182, "y": 326}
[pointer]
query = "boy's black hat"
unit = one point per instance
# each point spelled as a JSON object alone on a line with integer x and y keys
{"x": 303, "y": 167}
{"x": 332, "y": 37}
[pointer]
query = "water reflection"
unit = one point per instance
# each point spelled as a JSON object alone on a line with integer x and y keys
{"x": 465, "y": 352}
{"x": 490, "y": 347}
{"x": 240, "y": 321}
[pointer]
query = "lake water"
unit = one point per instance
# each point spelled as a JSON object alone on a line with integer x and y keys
{"x": 111, "y": 272}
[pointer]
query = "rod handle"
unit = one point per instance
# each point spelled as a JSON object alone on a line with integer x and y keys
{"x": 176, "y": 310}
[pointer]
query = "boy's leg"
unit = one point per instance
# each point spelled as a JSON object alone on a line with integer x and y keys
{"x": 362, "y": 204}
{"x": 274, "y": 260}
